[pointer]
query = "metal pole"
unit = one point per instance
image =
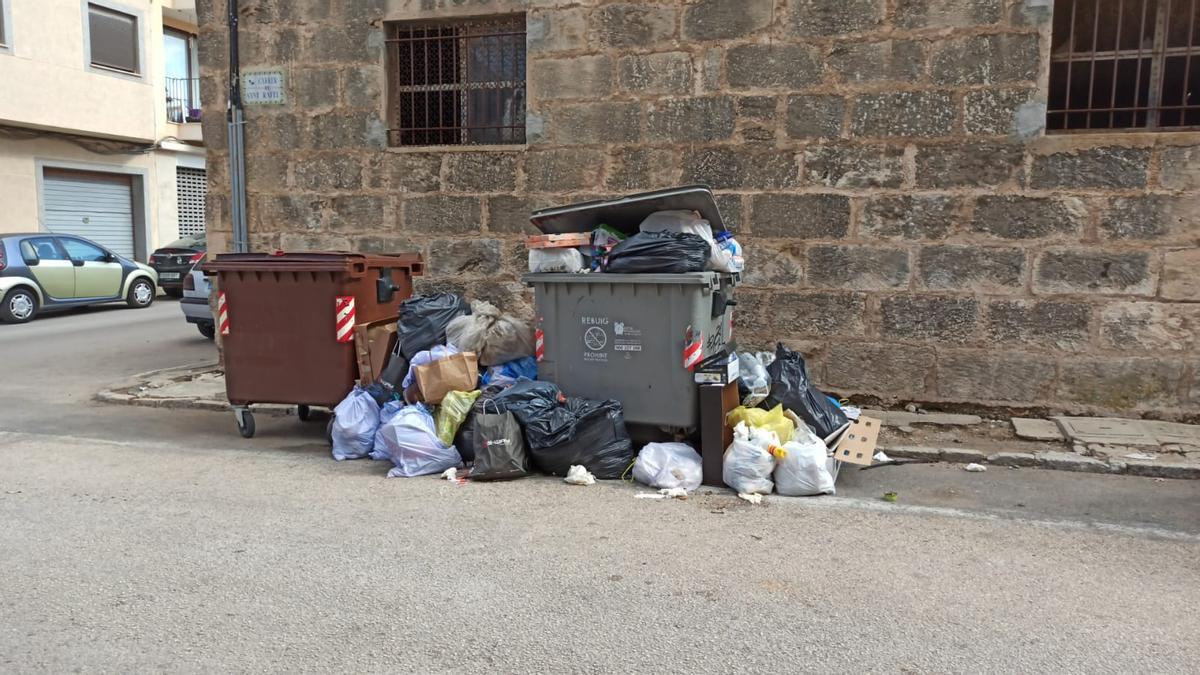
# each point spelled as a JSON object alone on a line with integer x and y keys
{"x": 237, "y": 148}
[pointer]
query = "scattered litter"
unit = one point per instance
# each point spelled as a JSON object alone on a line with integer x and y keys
{"x": 674, "y": 493}
{"x": 648, "y": 495}
{"x": 577, "y": 475}
{"x": 851, "y": 411}
{"x": 450, "y": 474}
{"x": 975, "y": 468}
{"x": 1139, "y": 455}
{"x": 890, "y": 496}
{"x": 881, "y": 456}
{"x": 753, "y": 499}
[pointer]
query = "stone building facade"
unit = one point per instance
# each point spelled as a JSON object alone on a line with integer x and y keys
{"x": 910, "y": 224}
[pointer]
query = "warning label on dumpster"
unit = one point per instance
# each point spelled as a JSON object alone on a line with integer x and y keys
{"x": 595, "y": 344}
{"x": 626, "y": 337}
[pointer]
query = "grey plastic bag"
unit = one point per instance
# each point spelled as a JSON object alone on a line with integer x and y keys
{"x": 499, "y": 446}
{"x": 494, "y": 336}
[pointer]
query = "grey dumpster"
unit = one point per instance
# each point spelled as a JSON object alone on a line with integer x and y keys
{"x": 632, "y": 337}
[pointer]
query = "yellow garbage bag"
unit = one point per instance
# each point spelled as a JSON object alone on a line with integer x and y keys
{"x": 771, "y": 420}
{"x": 452, "y": 412}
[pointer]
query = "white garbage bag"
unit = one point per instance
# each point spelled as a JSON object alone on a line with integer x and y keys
{"x": 547, "y": 260}
{"x": 411, "y": 442}
{"x": 802, "y": 469}
{"x": 355, "y": 421}
{"x": 689, "y": 222}
{"x": 748, "y": 461}
{"x": 669, "y": 465}
{"x": 755, "y": 378}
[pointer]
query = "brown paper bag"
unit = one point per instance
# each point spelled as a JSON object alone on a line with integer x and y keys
{"x": 459, "y": 372}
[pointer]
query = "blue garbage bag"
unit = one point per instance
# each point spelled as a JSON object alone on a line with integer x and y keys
{"x": 355, "y": 421}
{"x": 390, "y": 410}
{"x": 507, "y": 374}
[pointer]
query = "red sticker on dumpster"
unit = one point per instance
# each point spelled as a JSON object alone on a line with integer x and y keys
{"x": 344, "y": 318}
{"x": 222, "y": 313}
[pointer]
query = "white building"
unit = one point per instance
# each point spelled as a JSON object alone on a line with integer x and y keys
{"x": 100, "y": 121}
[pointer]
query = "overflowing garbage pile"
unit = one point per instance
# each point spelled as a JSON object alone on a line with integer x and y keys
{"x": 461, "y": 395}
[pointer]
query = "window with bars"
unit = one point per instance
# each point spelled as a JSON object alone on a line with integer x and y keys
{"x": 191, "y": 187}
{"x": 1124, "y": 64}
{"x": 456, "y": 83}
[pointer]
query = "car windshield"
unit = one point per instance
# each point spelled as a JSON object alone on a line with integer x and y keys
{"x": 196, "y": 241}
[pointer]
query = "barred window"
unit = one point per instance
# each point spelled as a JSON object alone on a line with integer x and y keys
{"x": 1122, "y": 64}
{"x": 457, "y": 82}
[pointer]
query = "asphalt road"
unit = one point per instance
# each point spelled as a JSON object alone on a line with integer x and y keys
{"x": 144, "y": 539}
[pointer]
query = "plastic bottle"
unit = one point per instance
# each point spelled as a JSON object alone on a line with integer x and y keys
{"x": 732, "y": 250}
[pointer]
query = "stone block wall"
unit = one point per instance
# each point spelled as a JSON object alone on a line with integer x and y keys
{"x": 909, "y": 225}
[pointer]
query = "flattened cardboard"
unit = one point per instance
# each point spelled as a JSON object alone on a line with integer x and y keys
{"x": 373, "y": 342}
{"x": 857, "y": 445}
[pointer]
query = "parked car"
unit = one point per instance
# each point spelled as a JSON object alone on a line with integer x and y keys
{"x": 43, "y": 272}
{"x": 194, "y": 302}
{"x": 174, "y": 262}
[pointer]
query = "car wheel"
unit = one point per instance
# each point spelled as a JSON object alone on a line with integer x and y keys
{"x": 20, "y": 306}
{"x": 141, "y": 293}
{"x": 208, "y": 330}
{"x": 173, "y": 292}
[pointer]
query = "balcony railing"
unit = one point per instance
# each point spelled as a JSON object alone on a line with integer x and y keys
{"x": 183, "y": 99}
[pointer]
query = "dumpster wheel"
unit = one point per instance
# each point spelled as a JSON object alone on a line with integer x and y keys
{"x": 303, "y": 413}
{"x": 245, "y": 422}
{"x": 329, "y": 431}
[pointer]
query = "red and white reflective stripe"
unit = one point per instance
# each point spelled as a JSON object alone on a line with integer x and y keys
{"x": 345, "y": 318}
{"x": 693, "y": 353}
{"x": 539, "y": 347}
{"x": 222, "y": 313}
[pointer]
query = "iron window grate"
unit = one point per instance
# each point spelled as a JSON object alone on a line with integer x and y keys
{"x": 457, "y": 83}
{"x": 1125, "y": 64}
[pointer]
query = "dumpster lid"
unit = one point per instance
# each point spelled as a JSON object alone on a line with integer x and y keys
{"x": 627, "y": 213}
{"x": 313, "y": 261}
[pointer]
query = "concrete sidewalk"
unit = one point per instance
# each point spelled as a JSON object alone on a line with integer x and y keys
{"x": 1080, "y": 444}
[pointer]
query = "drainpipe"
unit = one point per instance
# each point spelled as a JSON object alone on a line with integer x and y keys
{"x": 237, "y": 140}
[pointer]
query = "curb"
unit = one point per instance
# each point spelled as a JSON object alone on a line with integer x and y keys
{"x": 1057, "y": 461}
{"x": 117, "y": 394}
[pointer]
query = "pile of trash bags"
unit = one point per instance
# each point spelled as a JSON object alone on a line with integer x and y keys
{"x": 469, "y": 399}
{"x": 667, "y": 242}
{"x": 502, "y": 422}
{"x": 784, "y": 429}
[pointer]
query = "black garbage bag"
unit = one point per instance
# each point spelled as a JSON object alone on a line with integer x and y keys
{"x": 499, "y": 450}
{"x": 464, "y": 439}
{"x": 659, "y": 253}
{"x": 599, "y": 442}
{"x": 791, "y": 387}
{"x": 423, "y": 321}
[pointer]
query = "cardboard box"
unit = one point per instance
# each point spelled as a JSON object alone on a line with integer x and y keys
{"x": 718, "y": 371}
{"x": 459, "y": 372}
{"x": 857, "y": 445}
{"x": 373, "y": 342}
{"x": 568, "y": 240}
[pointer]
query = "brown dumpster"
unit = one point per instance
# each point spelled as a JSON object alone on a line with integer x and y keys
{"x": 287, "y": 322}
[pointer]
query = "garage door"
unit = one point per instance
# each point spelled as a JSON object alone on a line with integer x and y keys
{"x": 98, "y": 206}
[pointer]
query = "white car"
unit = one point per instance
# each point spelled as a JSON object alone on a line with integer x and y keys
{"x": 194, "y": 302}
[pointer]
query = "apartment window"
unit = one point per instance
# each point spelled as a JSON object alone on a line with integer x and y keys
{"x": 1125, "y": 64}
{"x": 191, "y": 189}
{"x": 456, "y": 83}
{"x": 4, "y": 24}
{"x": 182, "y": 79}
{"x": 113, "y": 39}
